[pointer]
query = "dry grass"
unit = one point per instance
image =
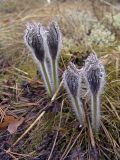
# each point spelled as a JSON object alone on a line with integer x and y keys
{"x": 13, "y": 17}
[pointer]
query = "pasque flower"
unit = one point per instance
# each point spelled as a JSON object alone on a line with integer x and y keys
{"x": 34, "y": 38}
{"x": 94, "y": 73}
{"x": 54, "y": 40}
{"x": 36, "y": 41}
{"x": 54, "y": 43}
{"x": 72, "y": 81}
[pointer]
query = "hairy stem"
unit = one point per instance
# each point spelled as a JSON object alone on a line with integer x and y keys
{"x": 79, "y": 110}
{"x": 54, "y": 75}
{"x": 95, "y": 108}
{"x": 46, "y": 79}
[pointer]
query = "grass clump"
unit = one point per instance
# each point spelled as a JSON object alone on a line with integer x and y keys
{"x": 24, "y": 95}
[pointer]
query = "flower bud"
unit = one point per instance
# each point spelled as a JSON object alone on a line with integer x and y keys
{"x": 34, "y": 38}
{"x": 54, "y": 40}
{"x": 71, "y": 81}
{"x": 94, "y": 74}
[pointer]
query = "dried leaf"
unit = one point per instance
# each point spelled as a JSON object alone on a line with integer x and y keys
{"x": 7, "y": 120}
{"x": 12, "y": 127}
{"x": 11, "y": 122}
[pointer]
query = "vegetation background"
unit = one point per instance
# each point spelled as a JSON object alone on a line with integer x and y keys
{"x": 86, "y": 25}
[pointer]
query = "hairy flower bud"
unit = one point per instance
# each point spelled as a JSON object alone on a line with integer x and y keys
{"x": 95, "y": 76}
{"x": 94, "y": 73}
{"x": 71, "y": 80}
{"x": 54, "y": 40}
{"x": 36, "y": 40}
{"x": 73, "y": 68}
{"x": 72, "y": 83}
{"x": 35, "y": 37}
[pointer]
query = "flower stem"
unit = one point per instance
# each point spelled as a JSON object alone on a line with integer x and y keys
{"x": 95, "y": 108}
{"x": 79, "y": 110}
{"x": 54, "y": 75}
{"x": 46, "y": 78}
